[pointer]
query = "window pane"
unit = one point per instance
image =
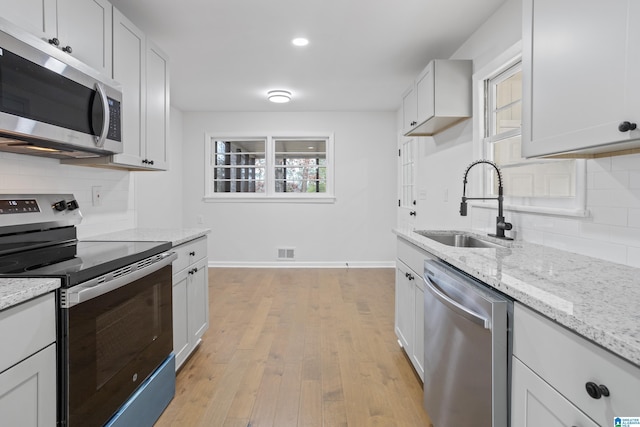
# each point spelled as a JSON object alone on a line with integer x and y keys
{"x": 521, "y": 177}
{"x": 300, "y": 165}
{"x": 240, "y": 166}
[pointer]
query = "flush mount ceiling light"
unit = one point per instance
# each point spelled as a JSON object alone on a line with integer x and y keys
{"x": 279, "y": 96}
{"x": 300, "y": 41}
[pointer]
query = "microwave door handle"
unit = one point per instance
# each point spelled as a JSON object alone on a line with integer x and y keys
{"x": 100, "y": 139}
{"x": 454, "y": 305}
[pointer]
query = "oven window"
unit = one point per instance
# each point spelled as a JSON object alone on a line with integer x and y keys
{"x": 114, "y": 342}
{"x": 117, "y": 342}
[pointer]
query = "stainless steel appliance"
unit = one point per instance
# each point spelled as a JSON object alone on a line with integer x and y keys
{"x": 467, "y": 349}
{"x": 52, "y": 104}
{"x": 114, "y": 320}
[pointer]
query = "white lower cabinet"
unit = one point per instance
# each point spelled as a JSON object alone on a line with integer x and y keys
{"x": 409, "y": 315}
{"x": 190, "y": 298}
{"x": 535, "y": 403}
{"x": 28, "y": 364}
{"x": 561, "y": 379}
{"x": 28, "y": 391}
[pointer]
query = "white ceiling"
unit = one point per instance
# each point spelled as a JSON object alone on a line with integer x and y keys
{"x": 226, "y": 54}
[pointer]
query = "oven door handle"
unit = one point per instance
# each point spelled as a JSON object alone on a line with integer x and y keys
{"x": 94, "y": 288}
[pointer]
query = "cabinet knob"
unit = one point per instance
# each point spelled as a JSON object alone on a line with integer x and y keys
{"x": 67, "y": 49}
{"x": 412, "y": 213}
{"x": 192, "y": 253}
{"x": 54, "y": 41}
{"x": 596, "y": 391}
{"x": 626, "y": 126}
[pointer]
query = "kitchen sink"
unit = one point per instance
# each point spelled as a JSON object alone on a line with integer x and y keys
{"x": 458, "y": 239}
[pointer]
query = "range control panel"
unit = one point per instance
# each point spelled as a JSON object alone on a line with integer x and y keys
{"x": 27, "y": 212}
{"x": 14, "y": 206}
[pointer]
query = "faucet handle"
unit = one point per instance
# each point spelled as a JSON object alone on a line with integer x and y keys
{"x": 505, "y": 225}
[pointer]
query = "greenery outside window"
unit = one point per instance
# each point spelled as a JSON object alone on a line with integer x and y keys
{"x": 282, "y": 167}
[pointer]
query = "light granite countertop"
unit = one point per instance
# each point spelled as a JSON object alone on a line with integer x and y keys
{"x": 176, "y": 236}
{"x": 15, "y": 291}
{"x": 597, "y": 299}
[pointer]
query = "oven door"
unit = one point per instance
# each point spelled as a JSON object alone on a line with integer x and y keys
{"x": 112, "y": 343}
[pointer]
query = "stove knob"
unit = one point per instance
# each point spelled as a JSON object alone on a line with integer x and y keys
{"x": 60, "y": 206}
{"x": 72, "y": 205}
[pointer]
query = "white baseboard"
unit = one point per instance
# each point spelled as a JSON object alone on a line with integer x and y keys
{"x": 303, "y": 264}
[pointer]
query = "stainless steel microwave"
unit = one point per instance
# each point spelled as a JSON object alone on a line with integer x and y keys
{"x": 53, "y": 105}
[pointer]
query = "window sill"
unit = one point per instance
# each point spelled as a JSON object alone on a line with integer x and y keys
{"x": 268, "y": 199}
{"x": 566, "y": 212}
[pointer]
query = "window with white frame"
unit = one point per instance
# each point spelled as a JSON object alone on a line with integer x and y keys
{"x": 534, "y": 183}
{"x": 269, "y": 167}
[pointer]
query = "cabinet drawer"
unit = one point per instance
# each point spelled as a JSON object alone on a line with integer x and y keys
{"x": 26, "y": 329}
{"x": 188, "y": 253}
{"x": 412, "y": 256}
{"x": 568, "y": 362}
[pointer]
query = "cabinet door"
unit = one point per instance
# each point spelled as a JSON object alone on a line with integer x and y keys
{"x": 535, "y": 403}
{"x": 157, "y": 107}
{"x": 418, "y": 348}
{"x": 425, "y": 92}
{"x": 409, "y": 110}
{"x": 180, "y": 319}
{"x": 28, "y": 391}
{"x": 86, "y": 27}
{"x": 576, "y": 82}
{"x": 35, "y": 16}
{"x": 404, "y": 316}
{"x": 198, "y": 296}
{"x": 129, "y": 70}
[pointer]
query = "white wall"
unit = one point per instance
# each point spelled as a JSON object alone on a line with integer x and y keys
{"x": 29, "y": 174}
{"x": 356, "y": 229}
{"x": 611, "y": 232}
{"x": 159, "y": 194}
{"x": 129, "y": 199}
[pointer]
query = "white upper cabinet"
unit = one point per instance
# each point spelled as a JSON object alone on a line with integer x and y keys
{"x": 36, "y": 16}
{"x": 143, "y": 70}
{"x": 157, "y": 106}
{"x": 580, "y": 76}
{"x": 129, "y": 69}
{"x": 439, "y": 98}
{"x": 82, "y": 28}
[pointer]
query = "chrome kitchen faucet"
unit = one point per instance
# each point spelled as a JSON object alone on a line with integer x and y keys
{"x": 501, "y": 225}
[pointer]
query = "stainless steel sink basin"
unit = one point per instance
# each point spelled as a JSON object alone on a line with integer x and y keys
{"x": 458, "y": 239}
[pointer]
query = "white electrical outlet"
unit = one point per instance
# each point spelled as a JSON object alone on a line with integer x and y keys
{"x": 96, "y": 195}
{"x": 199, "y": 219}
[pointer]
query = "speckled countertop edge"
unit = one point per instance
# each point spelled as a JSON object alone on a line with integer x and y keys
{"x": 594, "y": 298}
{"x": 14, "y": 291}
{"x": 176, "y": 236}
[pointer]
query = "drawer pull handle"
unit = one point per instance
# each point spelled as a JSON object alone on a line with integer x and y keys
{"x": 596, "y": 391}
{"x": 192, "y": 253}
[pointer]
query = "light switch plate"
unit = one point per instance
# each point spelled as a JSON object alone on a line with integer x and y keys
{"x": 96, "y": 195}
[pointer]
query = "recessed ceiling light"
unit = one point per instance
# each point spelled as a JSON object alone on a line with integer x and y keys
{"x": 279, "y": 96}
{"x": 300, "y": 41}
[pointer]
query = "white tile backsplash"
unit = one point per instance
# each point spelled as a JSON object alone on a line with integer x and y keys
{"x": 612, "y": 229}
{"x": 30, "y": 174}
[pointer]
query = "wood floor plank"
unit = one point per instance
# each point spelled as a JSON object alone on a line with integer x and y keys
{"x": 298, "y": 347}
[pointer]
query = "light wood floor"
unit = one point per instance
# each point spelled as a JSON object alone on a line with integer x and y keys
{"x": 298, "y": 347}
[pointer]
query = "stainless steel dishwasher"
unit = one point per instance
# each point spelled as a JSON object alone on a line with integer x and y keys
{"x": 467, "y": 349}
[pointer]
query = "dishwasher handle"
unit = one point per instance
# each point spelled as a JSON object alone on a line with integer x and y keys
{"x": 431, "y": 283}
